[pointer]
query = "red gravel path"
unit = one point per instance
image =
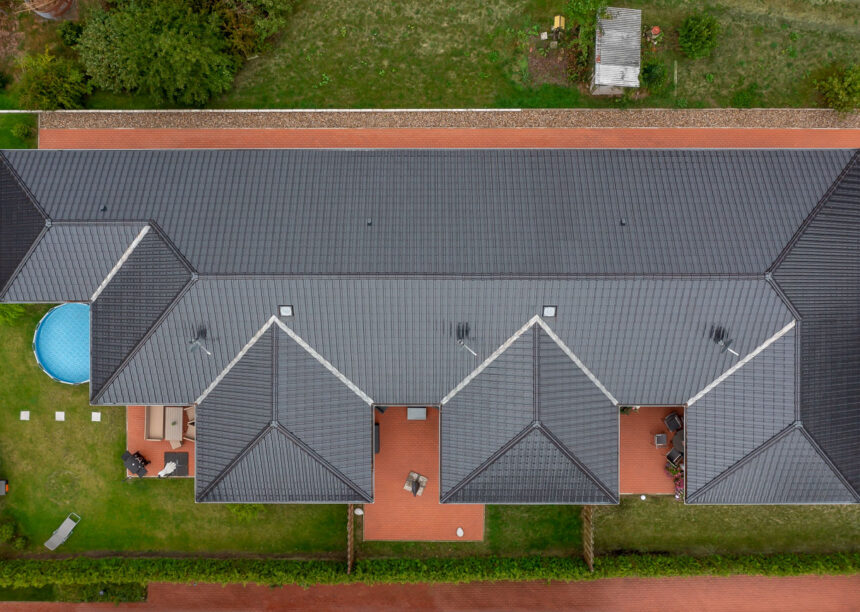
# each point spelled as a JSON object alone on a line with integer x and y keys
{"x": 734, "y": 594}
{"x": 170, "y": 138}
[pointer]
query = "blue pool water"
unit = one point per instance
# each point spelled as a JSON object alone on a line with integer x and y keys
{"x": 62, "y": 343}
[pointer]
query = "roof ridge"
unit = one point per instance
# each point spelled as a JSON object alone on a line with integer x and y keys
{"x": 234, "y": 462}
{"x": 798, "y": 234}
{"x": 773, "y": 440}
{"x": 322, "y": 461}
{"x": 549, "y": 435}
{"x": 829, "y": 463}
{"x": 487, "y": 462}
{"x": 741, "y": 363}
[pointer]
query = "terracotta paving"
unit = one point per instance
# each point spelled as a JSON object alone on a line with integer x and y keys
{"x": 153, "y": 451}
{"x": 413, "y": 446}
{"x": 240, "y": 138}
{"x": 702, "y": 594}
{"x": 641, "y": 463}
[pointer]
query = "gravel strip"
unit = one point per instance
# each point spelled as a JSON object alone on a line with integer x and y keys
{"x": 531, "y": 118}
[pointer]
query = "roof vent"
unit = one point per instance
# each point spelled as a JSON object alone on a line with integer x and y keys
{"x": 286, "y": 310}
{"x": 550, "y": 311}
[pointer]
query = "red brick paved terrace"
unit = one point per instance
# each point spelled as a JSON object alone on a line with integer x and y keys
{"x": 413, "y": 446}
{"x": 153, "y": 451}
{"x": 641, "y": 463}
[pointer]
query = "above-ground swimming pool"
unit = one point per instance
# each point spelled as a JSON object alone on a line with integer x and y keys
{"x": 62, "y": 343}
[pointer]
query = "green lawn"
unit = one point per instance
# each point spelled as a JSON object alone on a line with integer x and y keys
{"x": 470, "y": 53}
{"x": 661, "y": 524}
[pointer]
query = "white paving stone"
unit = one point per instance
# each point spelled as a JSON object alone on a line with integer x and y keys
{"x": 96, "y": 416}
{"x": 25, "y": 415}
{"x": 60, "y": 416}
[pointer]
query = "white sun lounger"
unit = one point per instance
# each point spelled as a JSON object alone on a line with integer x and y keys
{"x": 63, "y": 531}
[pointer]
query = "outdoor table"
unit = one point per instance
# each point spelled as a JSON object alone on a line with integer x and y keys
{"x": 678, "y": 441}
{"x": 173, "y": 423}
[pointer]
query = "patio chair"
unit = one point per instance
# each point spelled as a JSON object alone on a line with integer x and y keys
{"x": 190, "y": 432}
{"x": 191, "y": 413}
{"x": 674, "y": 457}
{"x": 63, "y": 531}
{"x": 660, "y": 440}
{"x": 673, "y": 422}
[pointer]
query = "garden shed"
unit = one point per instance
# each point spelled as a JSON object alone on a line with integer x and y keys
{"x": 617, "y": 51}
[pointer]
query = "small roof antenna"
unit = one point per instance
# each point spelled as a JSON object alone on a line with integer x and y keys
{"x": 197, "y": 342}
{"x": 720, "y": 336}
{"x": 467, "y": 347}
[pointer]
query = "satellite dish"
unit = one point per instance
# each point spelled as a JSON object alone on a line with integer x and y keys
{"x": 720, "y": 336}
{"x": 197, "y": 342}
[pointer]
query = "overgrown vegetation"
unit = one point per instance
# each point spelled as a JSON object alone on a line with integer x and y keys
{"x": 49, "y": 82}
{"x": 699, "y": 35}
{"x": 841, "y": 88}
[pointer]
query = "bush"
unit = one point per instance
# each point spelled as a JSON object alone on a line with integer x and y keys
{"x": 161, "y": 48}
{"x": 655, "y": 76}
{"x": 699, "y": 35}
{"x": 25, "y": 573}
{"x": 9, "y": 313}
{"x": 4, "y": 80}
{"x": 578, "y": 64}
{"x": 248, "y": 24}
{"x": 20, "y": 543}
{"x": 70, "y": 32}
{"x": 22, "y": 131}
{"x": 49, "y": 83}
{"x": 7, "y": 532}
{"x": 841, "y": 89}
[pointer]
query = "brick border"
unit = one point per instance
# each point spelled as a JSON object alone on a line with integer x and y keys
{"x": 454, "y": 118}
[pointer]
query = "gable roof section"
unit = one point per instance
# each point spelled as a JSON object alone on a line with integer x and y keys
{"x": 21, "y": 224}
{"x": 131, "y": 304}
{"x": 820, "y": 274}
{"x": 529, "y": 428}
{"x": 786, "y": 470}
{"x": 475, "y": 212}
{"x": 280, "y": 427}
{"x": 740, "y": 414}
{"x": 70, "y": 261}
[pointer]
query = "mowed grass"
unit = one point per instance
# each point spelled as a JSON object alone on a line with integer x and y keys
{"x": 74, "y": 466}
{"x": 661, "y": 524}
{"x": 417, "y": 54}
{"x": 509, "y": 531}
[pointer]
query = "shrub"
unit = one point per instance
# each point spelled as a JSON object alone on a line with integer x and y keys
{"x": 20, "y": 543}
{"x": 22, "y": 131}
{"x": 699, "y": 35}
{"x": 248, "y": 24}
{"x": 70, "y": 32}
{"x": 578, "y": 64}
{"x": 9, "y": 313}
{"x": 841, "y": 89}
{"x": 160, "y": 48}
{"x": 4, "y": 80}
{"x": 655, "y": 75}
{"x": 49, "y": 82}
{"x": 7, "y": 532}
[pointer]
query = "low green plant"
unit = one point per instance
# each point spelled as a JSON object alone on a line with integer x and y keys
{"x": 746, "y": 97}
{"x": 841, "y": 88}
{"x": 4, "y": 80}
{"x": 9, "y": 313}
{"x": 49, "y": 82}
{"x": 245, "y": 512}
{"x": 655, "y": 76}
{"x": 22, "y": 131}
{"x": 699, "y": 35}
{"x": 70, "y": 32}
{"x": 7, "y": 532}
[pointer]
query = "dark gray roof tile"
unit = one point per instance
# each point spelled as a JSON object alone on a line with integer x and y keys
{"x": 21, "y": 223}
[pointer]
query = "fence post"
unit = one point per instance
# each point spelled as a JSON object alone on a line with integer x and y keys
{"x": 350, "y": 543}
{"x": 588, "y": 536}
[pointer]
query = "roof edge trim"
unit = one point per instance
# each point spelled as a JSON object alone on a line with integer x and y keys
{"x": 118, "y": 264}
{"x": 323, "y": 361}
{"x": 741, "y": 363}
{"x": 493, "y": 356}
{"x": 217, "y": 380}
{"x": 577, "y": 361}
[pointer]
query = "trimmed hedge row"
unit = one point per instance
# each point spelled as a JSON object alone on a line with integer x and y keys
{"x": 22, "y": 573}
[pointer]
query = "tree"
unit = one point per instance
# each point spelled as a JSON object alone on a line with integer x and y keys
{"x": 49, "y": 82}
{"x": 841, "y": 89}
{"x": 699, "y": 35}
{"x": 161, "y": 48}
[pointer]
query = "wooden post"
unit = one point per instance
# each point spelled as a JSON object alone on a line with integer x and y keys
{"x": 588, "y": 536}
{"x": 350, "y": 544}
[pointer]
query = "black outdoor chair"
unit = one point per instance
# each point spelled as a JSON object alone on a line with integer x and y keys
{"x": 673, "y": 422}
{"x": 674, "y": 457}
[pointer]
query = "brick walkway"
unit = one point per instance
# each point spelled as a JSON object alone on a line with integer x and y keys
{"x": 164, "y": 138}
{"x": 641, "y": 463}
{"x": 413, "y": 446}
{"x": 704, "y": 594}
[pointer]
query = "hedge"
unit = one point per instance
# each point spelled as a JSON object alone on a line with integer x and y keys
{"x": 21, "y": 573}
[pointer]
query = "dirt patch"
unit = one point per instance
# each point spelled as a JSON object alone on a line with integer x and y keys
{"x": 10, "y": 34}
{"x": 547, "y": 66}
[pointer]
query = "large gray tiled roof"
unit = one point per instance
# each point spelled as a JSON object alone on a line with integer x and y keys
{"x": 391, "y": 257}
{"x": 279, "y": 426}
{"x": 530, "y": 427}
{"x": 481, "y": 212}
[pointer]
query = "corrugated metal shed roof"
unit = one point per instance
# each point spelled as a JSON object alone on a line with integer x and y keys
{"x": 446, "y": 212}
{"x": 70, "y": 261}
{"x": 531, "y": 427}
{"x": 820, "y": 275}
{"x": 618, "y": 47}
